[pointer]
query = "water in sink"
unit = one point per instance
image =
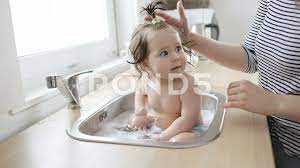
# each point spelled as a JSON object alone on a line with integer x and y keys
{"x": 117, "y": 128}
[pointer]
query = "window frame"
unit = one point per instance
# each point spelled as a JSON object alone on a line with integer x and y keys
{"x": 67, "y": 60}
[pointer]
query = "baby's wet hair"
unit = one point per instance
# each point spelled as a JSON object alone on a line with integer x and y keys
{"x": 153, "y": 6}
{"x": 138, "y": 47}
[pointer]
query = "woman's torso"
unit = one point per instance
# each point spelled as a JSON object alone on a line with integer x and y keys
{"x": 277, "y": 48}
{"x": 275, "y": 40}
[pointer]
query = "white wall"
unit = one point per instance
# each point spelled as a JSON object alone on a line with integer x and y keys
{"x": 126, "y": 20}
{"x": 235, "y": 18}
{"x": 10, "y": 84}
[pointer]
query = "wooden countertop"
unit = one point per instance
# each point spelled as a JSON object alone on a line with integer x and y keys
{"x": 244, "y": 142}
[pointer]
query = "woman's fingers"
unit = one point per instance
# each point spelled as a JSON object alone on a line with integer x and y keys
{"x": 183, "y": 18}
{"x": 147, "y": 18}
{"x": 235, "y": 104}
{"x": 168, "y": 18}
{"x": 234, "y": 84}
{"x": 234, "y": 98}
{"x": 234, "y": 91}
{"x": 238, "y": 97}
{"x": 180, "y": 8}
{"x": 181, "y": 23}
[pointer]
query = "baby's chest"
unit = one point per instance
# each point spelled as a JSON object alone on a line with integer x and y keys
{"x": 164, "y": 103}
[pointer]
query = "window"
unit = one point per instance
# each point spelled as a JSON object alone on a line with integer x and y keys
{"x": 61, "y": 37}
{"x": 43, "y": 25}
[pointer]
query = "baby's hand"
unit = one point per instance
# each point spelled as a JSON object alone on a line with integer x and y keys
{"x": 140, "y": 122}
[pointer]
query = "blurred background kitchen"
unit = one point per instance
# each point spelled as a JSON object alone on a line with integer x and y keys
{"x": 42, "y": 37}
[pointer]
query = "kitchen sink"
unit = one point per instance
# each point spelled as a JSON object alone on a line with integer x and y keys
{"x": 108, "y": 123}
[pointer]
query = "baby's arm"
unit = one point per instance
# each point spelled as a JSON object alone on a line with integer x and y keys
{"x": 140, "y": 101}
{"x": 140, "y": 120}
{"x": 190, "y": 109}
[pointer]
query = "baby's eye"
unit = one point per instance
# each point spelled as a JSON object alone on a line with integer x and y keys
{"x": 164, "y": 53}
{"x": 178, "y": 49}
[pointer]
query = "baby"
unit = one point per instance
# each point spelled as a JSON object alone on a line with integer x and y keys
{"x": 159, "y": 56}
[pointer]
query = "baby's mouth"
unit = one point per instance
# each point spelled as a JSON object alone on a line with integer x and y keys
{"x": 177, "y": 67}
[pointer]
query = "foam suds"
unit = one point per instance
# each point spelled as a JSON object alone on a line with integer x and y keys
{"x": 117, "y": 128}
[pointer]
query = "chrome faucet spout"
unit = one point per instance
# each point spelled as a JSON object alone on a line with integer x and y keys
{"x": 68, "y": 87}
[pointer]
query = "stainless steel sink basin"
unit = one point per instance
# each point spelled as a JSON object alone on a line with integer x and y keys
{"x": 87, "y": 127}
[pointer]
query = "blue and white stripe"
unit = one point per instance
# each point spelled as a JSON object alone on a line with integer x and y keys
{"x": 273, "y": 49}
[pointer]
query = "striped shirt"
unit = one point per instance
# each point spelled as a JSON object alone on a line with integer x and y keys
{"x": 273, "y": 49}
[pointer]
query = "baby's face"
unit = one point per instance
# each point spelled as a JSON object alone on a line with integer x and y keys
{"x": 166, "y": 54}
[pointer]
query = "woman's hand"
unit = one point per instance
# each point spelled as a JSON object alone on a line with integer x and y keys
{"x": 248, "y": 96}
{"x": 181, "y": 23}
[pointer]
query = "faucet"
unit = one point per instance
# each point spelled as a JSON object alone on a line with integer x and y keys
{"x": 68, "y": 87}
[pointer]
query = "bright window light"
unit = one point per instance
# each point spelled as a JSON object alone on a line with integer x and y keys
{"x": 43, "y": 25}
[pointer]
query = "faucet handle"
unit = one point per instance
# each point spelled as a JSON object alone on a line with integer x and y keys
{"x": 51, "y": 81}
{"x": 68, "y": 87}
{"x": 75, "y": 75}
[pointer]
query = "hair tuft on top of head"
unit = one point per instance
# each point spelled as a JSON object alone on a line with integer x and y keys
{"x": 153, "y": 6}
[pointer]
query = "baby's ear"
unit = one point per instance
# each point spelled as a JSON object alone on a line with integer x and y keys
{"x": 146, "y": 64}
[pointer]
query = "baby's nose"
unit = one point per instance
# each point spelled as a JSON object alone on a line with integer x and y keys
{"x": 175, "y": 58}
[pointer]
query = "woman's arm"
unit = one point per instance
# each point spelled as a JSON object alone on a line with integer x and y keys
{"x": 248, "y": 96}
{"x": 229, "y": 55}
{"x": 289, "y": 107}
{"x": 232, "y": 56}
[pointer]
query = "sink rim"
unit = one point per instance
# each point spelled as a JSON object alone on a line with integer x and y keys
{"x": 213, "y": 132}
